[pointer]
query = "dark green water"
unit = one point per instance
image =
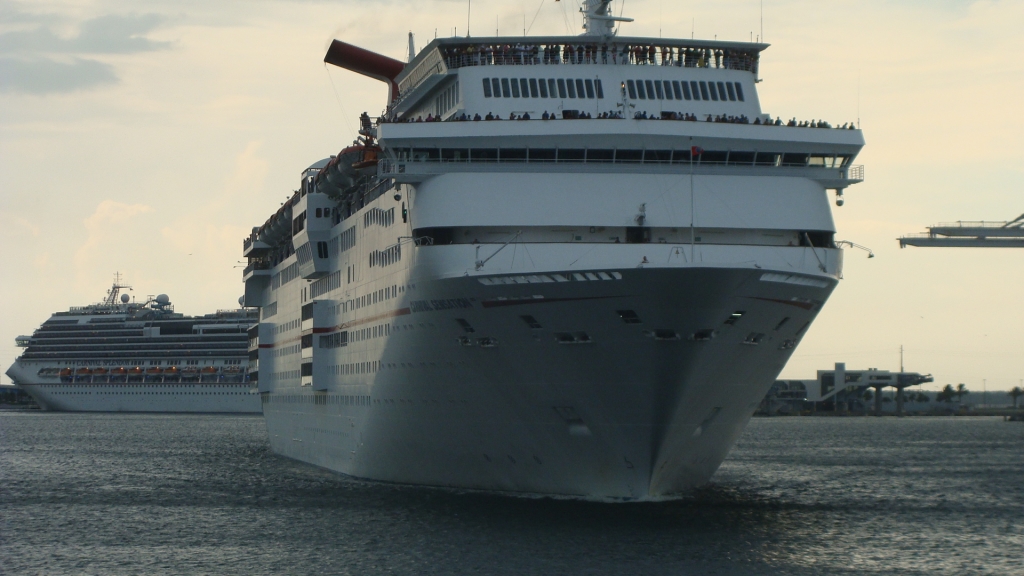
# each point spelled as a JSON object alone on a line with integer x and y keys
{"x": 137, "y": 494}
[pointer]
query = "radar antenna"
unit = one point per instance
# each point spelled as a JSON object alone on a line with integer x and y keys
{"x": 111, "y": 299}
{"x": 597, "y": 18}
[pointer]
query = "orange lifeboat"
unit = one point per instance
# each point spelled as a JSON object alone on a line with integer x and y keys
{"x": 155, "y": 371}
{"x": 99, "y": 372}
{"x": 83, "y": 372}
{"x": 172, "y": 371}
{"x": 135, "y": 371}
{"x": 209, "y": 370}
{"x": 119, "y": 371}
{"x": 66, "y": 372}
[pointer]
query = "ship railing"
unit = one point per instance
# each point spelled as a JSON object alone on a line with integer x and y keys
{"x": 616, "y": 55}
{"x": 257, "y": 265}
{"x": 855, "y": 173}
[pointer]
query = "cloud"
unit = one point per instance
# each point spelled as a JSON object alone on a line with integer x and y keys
{"x": 110, "y": 222}
{"x": 38, "y": 61}
{"x": 43, "y": 75}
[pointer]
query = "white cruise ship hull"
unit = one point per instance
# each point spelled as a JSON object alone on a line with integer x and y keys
{"x": 173, "y": 398}
{"x": 635, "y": 411}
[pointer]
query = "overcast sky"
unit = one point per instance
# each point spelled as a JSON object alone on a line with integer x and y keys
{"x": 149, "y": 137}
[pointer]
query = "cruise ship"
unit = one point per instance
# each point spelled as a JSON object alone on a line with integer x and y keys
{"x": 560, "y": 265}
{"x": 123, "y": 356}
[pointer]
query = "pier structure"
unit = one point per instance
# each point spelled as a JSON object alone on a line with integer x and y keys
{"x": 970, "y": 234}
{"x": 842, "y": 386}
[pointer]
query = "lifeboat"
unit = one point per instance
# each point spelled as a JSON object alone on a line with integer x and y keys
{"x": 65, "y": 372}
{"x": 134, "y": 371}
{"x": 83, "y": 372}
{"x": 172, "y": 371}
{"x": 209, "y": 370}
{"x": 99, "y": 372}
{"x": 154, "y": 371}
{"x": 119, "y": 371}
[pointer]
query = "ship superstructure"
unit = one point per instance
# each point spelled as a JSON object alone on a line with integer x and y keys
{"x": 564, "y": 265}
{"x": 125, "y": 356}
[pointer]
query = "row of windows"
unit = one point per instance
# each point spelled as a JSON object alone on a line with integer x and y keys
{"x": 386, "y": 256}
{"x": 379, "y": 217}
{"x": 694, "y": 155}
{"x": 285, "y": 375}
{"x": 371, "y": 298}
{"x": 286, "y": 326}
{"x": 269, "y": 310}
{"x": 344, "y": 242}
{"x": 543, "y": 88}
{"x": 284, "y": 276}
{"x": 692, "y": 90}
{"x": 319, "y": 399}
{"x": 447, "y": 99}
{"x": 325, "y": 284}
{"x": 355, "y": 368}
{"x": 285, "y": 351}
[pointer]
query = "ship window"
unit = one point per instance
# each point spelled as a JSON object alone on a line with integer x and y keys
{"x": 732, "y": 92}
{"x": 629, "y": 155}
{"x": 668, "y": 90}
{"x": 713, "y": 157}
{"x": 657, "y": 156}
{"x": 571, "y": 154}
{"x": 704, "y": 91}
{"x": 524, "y": 87}
{"x": 632, "y": 89}
{"x": 678, "y": 92}
{"x": 638, "y": 235}
{"x": 695, "y": 88}
{"x": 454, "y": 154}
{"x": 721, "y": 90}
{"x": 496, "y": 87}
{"x": 552, "y": 88}
{"x": 741, "y": 158}
{"x": 513, "y": 154}
{"x": 739, "y": 90}
{"x": 681, "y": 157}
{"x": 533, "y": 87}
{"x": 425, "y": 154}
{"x": 543, "y": 88}
{"x": 531, "y": 322}
{"x": 650, "y": 89}
{"x": 541, "y": 154}
{"x": 515, "y": 88}
{"x": 561, "y": 88}
{"x": 657, "y": 89}
{"x": 487, "y": 87}
{"x": 714, "y": 92}
{"x": 629, "y": 316}
{"x": 580, "y": 90}
{"x": 686, "y": 90}
{"x": 794, "y": 159}
{"x": 600, "y": 89}
{"x": 505, "y": 91}
{"x": 571, "y": 87}
{"x": 590, "y": 88}
{"x": 640, "y": 90}
{"x": 603, "y": 155}
{"x": 319, "y": 213}
{"x": 767, "y": 159}
{"x": 484, "y": 154}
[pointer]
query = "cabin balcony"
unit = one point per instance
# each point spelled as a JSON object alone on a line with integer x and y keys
{"x": 253, "y": 247}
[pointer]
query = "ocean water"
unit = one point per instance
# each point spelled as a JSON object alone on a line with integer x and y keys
{"x": 172, "y": 494}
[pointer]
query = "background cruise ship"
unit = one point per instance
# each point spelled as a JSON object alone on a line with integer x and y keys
{"x": 589, "y": 300}
{"x": 123, "y": 356}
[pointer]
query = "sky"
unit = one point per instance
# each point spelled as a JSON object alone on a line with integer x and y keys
{"x": 149, "y": 137}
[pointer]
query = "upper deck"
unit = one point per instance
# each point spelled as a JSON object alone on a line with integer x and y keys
{"x": 624, "y": 72}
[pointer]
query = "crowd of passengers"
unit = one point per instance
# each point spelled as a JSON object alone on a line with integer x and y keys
{"x": 641, "y": 54}
{"x": 614, "y": 114}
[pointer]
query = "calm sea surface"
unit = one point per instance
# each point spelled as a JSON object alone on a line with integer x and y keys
{"x": 135, "y": 494}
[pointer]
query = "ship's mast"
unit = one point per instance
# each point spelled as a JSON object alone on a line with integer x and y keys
{"x": 597, "y": 19}
{"x": 111, "y": 299}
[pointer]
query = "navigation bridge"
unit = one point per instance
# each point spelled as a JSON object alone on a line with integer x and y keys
{"x": 967, "y": 234}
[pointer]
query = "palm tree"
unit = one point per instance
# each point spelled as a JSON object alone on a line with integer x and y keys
{"x": 961, "y": 391}
{"x": 1017, "y": 392}
{"x": 946, "y": 395}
